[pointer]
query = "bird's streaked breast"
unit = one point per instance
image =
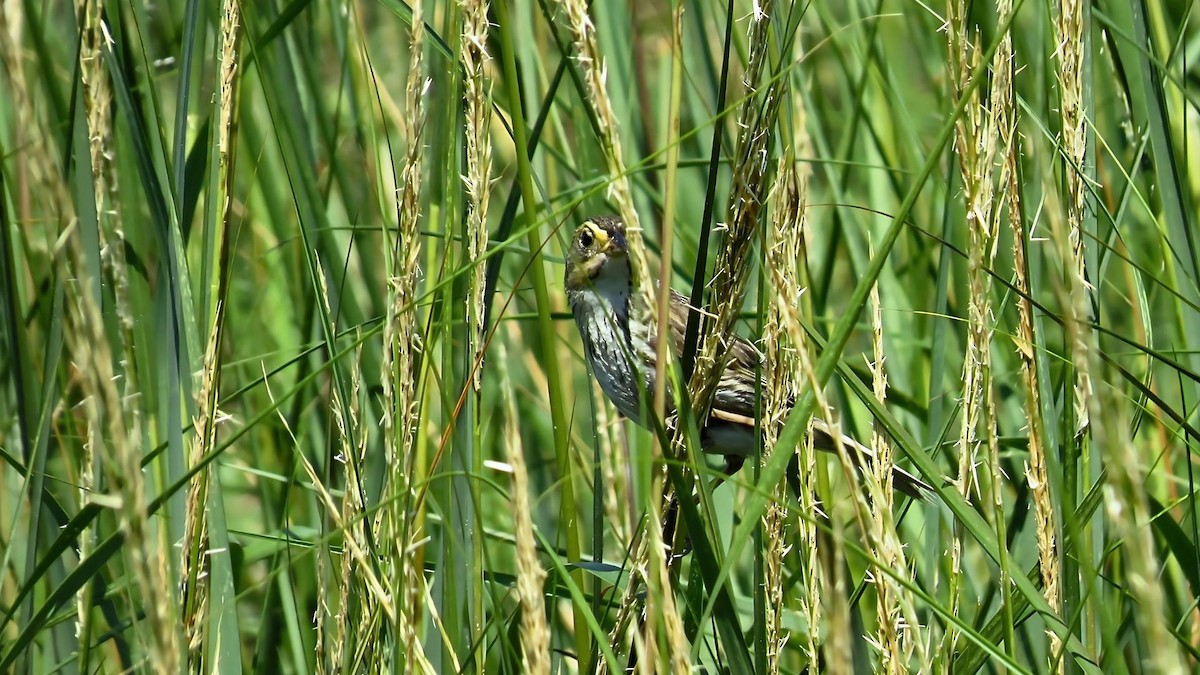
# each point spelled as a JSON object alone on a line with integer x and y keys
{"x": 610, "y": 353}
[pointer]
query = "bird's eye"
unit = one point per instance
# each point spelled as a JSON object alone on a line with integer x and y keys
{"x": 586, "y": 239}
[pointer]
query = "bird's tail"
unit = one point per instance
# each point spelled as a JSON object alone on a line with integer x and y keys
{"x": 902, "y": 480}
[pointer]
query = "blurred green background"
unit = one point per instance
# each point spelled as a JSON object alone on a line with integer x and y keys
{"x": 234, "y": 236}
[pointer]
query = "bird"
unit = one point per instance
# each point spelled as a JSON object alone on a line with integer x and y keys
{"x": 621, "y": 351}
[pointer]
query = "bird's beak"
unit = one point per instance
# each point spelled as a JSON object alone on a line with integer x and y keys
{"x": 618, "y": 243}
{"x": 615, "y": 245}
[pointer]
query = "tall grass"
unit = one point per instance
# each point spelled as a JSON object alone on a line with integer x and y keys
{"x": 290, "y": 385}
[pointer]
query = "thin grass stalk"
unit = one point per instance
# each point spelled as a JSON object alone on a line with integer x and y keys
{"x": 108, "y": 430}
{"x": 477, "y": 98}
{"x": 1080, "y": 576}
{"x": 827, "y": 572}
{"x": 1068, "y": 28}
{"x": 87, "y": 485}
{"x": 1036, "y": 472}
{"x": 325, "y": 499}
{"x": 1001, "y": 110}
{"x": 324, "y": 612}
{"x": 477, "y": 157}
{"x": 642, "y": 570}
{"x": 1126, "y": 505}
{"x": 97, "y": 99}
{"x": 547, "y": 333}
{"x": 365, "y": 625}
{"x": 400, "y": 346}
{"x": 828, "y": 575}
{"x": 899, "y": 625}
{"x": 838, "y": 643}
{"x": 97, "y": 96}
{"x": 782, "y": 377}
{"x": 885, "y": 543}
{"x": 661, "y": 607}
{"x": 351, "y": 627}
{"x": 531, "y": 577}
{"x": 664, "y": 348}
{"x": 976, "y": 144}
{"x": 776, "y": 395}
{"x": 112, "y": 417}
{"x": 786, "y": 281}
{"x": 1005, "y": 121}
{"x": 812, "y": 601}
{"x": 435, "y": 618}
{"x": 123, "y": 475}
{"x": 1102, "y": 420}
{"x": 192, "y": 553}
{"x": 195, "y": 543}
{"x": 38, "y": 170}
{"x": 881, "y": 531}
{"x": 648, "y": 568}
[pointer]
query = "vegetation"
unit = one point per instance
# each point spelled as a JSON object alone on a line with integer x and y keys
{"x": 289, "y": 383}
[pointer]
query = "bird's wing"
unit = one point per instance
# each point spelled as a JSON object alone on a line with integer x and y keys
{"x": 734, "y": 401}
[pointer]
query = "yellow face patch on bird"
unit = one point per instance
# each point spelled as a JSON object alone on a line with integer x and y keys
{"x": 592, "y": 235}
{"x": 596, "y": 242}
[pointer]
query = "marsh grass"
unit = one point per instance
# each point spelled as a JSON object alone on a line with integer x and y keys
{"x": 290, "y": 384}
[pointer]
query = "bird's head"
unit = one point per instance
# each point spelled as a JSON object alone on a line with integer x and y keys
{"x": 599, "y": 254}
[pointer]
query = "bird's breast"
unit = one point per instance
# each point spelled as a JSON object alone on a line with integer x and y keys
{"x": 613, "y": 354}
